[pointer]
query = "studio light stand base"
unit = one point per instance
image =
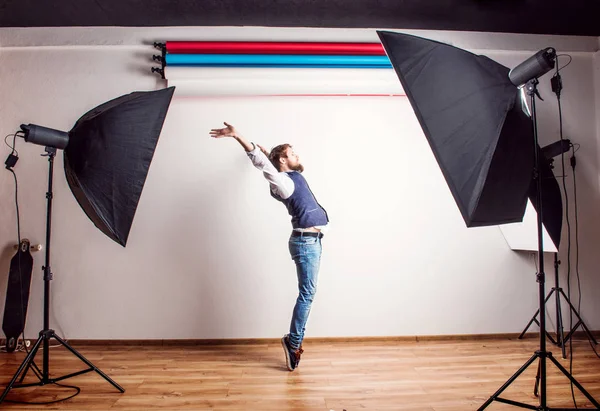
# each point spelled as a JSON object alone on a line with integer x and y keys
{"x": 542, "y": 355}
{"x": 44, "y": 378}
{"x": 561, "y": 339}
{"x": 46, "y": 334}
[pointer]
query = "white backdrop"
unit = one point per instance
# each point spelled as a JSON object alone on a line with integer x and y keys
{"x": 207, "y": 255}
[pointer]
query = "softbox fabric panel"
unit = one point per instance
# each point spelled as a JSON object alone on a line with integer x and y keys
{"x": 552, "y": 211}
{"x": 470, "y": 114}
{"x": 109, "y": 153}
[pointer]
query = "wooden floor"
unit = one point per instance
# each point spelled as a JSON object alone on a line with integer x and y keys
{"x": 384, "y": 375}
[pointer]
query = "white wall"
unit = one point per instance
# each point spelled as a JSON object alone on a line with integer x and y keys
{"x": 207, "y": 254}
{"x": 596, "y": 63}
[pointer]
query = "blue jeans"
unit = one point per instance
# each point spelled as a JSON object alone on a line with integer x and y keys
{"x": 306, "y": 253}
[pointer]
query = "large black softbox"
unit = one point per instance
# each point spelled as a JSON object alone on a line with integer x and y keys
{"x": 472, "y": 118}
{"x": 108, "y": 156}
{"x": 487, "y": 149}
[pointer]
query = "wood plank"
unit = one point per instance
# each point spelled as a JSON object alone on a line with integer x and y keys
{"x": 426, "y": 375}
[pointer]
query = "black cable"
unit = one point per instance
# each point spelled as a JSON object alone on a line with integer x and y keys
{"x": 77, "y": 391}
{"x": 19, "y": 250}
{"x": 561, "y": 55}
{"x": 17, "y": 208}
{"x": 557, "y": 88}
{"x": 14, "y": 136}
{"x": 13, "y": 151}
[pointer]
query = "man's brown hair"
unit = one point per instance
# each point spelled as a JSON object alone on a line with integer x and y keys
{"x": 276, "y": 153}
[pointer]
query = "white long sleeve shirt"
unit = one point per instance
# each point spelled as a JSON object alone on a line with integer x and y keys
{"x": 280, "y": 183}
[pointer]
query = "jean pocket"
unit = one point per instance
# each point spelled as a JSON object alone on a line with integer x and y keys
{"x": 309, "y": 241}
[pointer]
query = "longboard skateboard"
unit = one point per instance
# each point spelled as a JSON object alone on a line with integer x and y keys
{"x": 17, "y": 294}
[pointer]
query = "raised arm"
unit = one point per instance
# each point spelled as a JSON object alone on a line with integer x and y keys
{"x": 281, "y": 184}
{"x": 230, "y": 131}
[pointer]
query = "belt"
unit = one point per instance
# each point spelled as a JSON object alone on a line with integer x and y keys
{"x": 307, "y": 234}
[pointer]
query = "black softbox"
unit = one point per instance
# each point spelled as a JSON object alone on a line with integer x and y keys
{"x": 108, "y": 155}
{"x": 473, "y": 119}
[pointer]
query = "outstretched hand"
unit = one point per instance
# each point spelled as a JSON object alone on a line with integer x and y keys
{"x": 228, "y": 131}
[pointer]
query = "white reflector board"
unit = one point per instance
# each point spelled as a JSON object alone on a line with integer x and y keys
{"x": 523, "y": 236}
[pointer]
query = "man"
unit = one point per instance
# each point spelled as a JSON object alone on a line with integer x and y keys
{"x": 282, "y": 169}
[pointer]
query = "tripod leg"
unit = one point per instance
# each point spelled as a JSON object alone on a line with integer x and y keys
{"x": 560, "y": 332}
{"x": 534, "y": 319}
{"x": 507, "y": 383}
{"x": 574, "y": 381}
{"x": 589, "y": 333}
{"x": 24, "y": 364}
{"x": 31, "y": 363}
{"x": 36, "y": 370}
{"x": 547, "y": 333}
{"x": 590, "y": 336}
{"x": 529, "y": 324}
{"x": 572, "y": 331}
{"x": 536, "y": 387}
{"x": 551, "y": 339}
{"x": 88, "y": 363}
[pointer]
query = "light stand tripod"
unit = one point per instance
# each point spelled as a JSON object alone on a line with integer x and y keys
{"x": 561, "y": 340}
{"x": 46, "y": 334}
{"x": 541, "y": 354}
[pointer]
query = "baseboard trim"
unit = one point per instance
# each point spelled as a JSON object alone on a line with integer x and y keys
{"x": 580, "y": 335}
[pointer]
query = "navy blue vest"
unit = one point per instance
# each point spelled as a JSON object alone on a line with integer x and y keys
{"x": 302, "y": 204}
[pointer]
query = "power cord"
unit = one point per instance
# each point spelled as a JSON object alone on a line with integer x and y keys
{"x": 77, "y": 391}
{"x": 10, "y": 162}
{"x": 556, "y": 83}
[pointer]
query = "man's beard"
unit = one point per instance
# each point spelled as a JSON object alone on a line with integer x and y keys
{"x": 298, "y": 167}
